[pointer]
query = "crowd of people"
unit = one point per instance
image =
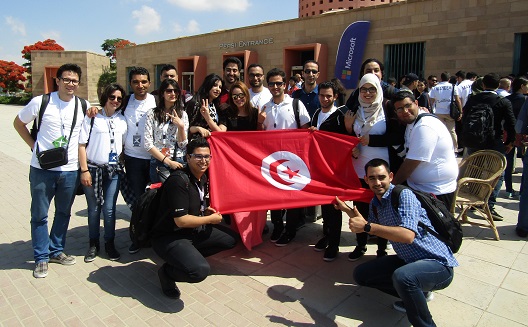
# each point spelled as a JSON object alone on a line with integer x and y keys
{"x": 406, "y": 133}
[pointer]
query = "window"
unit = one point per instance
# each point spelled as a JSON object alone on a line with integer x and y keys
{"x": 401, "y": 59}
{"x": 520, "y": 51}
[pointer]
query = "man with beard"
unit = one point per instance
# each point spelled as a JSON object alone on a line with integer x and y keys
{"x": 259, "y": 94}
{"x": 308, "y": 93}
{"x": 231, "y": 69}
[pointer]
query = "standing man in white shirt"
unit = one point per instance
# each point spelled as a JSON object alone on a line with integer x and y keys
{"x": 279, "y": 113}
{"x": 259, "y": 94}
{"x": 60, "y": 126}
{"x": 137, "y": 159}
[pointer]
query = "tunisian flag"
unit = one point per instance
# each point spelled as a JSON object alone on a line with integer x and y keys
{"x": 267, "y": 170}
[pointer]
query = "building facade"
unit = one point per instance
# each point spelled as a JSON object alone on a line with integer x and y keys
{"x": 318, "y": 7}
{"x": 420, "y": 36}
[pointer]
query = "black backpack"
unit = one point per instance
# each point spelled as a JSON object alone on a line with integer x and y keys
{"x": 144, "y": 217}
{"x": 478, "y": 125}
{"x": 446, "y": 227}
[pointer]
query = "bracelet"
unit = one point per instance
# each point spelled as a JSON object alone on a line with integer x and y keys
{"x": 84, "y": 171}
{"x": 162, "y": 161}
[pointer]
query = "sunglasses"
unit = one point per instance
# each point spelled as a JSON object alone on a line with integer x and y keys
{"x": 170, "y": 91}
{"x": 274, "y": 84}
{"x": 113, "y": 97}
{"x": 238, "y": 96}
{"x": 308, "y": 71}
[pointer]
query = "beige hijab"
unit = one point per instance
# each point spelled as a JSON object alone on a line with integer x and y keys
{"x": 370, "y": 111}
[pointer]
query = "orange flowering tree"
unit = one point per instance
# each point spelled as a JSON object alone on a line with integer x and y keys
{"x": 11, "y": 76}
{"x": 49, "y": 44}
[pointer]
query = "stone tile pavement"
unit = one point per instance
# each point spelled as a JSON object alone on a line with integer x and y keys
{"x": 269, "y": 286}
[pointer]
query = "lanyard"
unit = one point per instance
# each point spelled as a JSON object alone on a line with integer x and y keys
{"x": 202, "y": 194}
{"x": 110, "y": 124}
{"x": 137, "y": 108}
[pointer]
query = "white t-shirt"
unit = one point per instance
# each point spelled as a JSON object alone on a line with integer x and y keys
{"x": 99, "y": 143}
{"x": 135, "y": 115}
{"x": 56, "y": 122}
{"x": 323, "y": 116}
{"x": 442, "y": 95}
{"x": 464, "y": 90}
{"x": 429, "y": 141}
{"x": 258, "y": 100}
{"x": 281, "y": 116}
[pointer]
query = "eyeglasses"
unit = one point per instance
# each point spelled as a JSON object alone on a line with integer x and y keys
{"x": 68, "y": 81}
{"x": 368, "y": 90}
{"x": 238, "y": 96}
{"x": 170, "y": 91}
{"x": 313, "y": 71}
{"x": 405, "y": 106}
{"x": 256, "y": 75}
{"x": 113, "y": 97}
{"x": 275, "y": 84}
{"x": 200, "y": 157}
{"x": 434, "y": 80}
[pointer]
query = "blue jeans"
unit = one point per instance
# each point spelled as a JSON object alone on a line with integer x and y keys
{"x": 409, "y": 282}
{"x": 44, "y": 186}
{"x": 138, "y": 174}
{"x": 522, "y": 218}
{"x": 110, "y": 193}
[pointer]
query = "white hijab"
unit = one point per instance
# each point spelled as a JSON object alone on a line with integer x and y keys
{"x": 370, "y": 111}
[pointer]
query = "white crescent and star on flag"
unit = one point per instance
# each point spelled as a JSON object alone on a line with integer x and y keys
{"x": 286, "y": 171}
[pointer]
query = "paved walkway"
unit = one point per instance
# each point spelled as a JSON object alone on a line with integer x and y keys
{"x": 269, "y": 286}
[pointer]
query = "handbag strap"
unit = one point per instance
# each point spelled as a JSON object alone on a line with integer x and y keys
{"x": 72, "y": 126}
{"x": 452, "y": 92}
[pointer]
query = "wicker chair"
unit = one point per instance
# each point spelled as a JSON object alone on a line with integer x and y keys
{"x": 478, "y": 175}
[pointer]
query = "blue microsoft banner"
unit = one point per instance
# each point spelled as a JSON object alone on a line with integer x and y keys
{"x": 350, "y": 53}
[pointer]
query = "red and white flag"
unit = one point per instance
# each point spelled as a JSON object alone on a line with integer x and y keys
{"x": 267, "y": 170}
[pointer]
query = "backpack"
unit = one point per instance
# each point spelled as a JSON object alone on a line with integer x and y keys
{"x": 446, "y": 227}
{"x": 44, "y": 104}
{"x": 144, "y": 218}
{"x": 478, "y": 122}
{"x": 295, "y": 105}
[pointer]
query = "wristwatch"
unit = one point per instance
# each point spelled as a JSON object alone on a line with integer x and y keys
{"x": 367, "y": 228}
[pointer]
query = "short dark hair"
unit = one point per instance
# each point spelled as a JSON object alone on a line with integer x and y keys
{"x": 108, "y": 90}
{"x": 232, "y": 60}
{"x": 401, "y": 95}
{"x": 138, "y": 71}
{"x": 518, "y": 83}
{"x": 198, "y": 142}
{"x": 255, "y": 65}
{"x": 311, "y": 61}
{"x": 445, "y": 76}
{"x": 167, "y": 67}
{"x": 294, "y": 78}
{"x": 275, "y": 72}
{"x": 376, "y": 163}
{"x": 368, "y": 61}
{"x": 491, "y": 81}
{"x": 328, "y": 85}
{"x": 470, "y": 75}
{"x": 461, "y": 74}
{"x": 69, "y": 67}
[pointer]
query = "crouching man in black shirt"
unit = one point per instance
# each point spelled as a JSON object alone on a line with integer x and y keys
{"x": 186, "y": 234}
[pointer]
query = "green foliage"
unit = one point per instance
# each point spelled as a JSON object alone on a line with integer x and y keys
{"x": 18, "y": 99}
{"x": 107, "y": 77}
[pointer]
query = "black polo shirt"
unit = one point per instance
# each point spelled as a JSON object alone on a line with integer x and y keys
{"x": 179, "y": 197}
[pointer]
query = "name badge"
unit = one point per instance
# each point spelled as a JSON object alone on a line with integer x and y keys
{"x": 136, "y": 140}
{"x": 112, "y": 158}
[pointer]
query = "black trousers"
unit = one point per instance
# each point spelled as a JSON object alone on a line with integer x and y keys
{"x": 184, "y": 252}
{"x": 293, "y": 219}
{"x": 332, "y": 223}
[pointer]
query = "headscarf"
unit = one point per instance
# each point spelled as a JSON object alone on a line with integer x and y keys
{"x": 372, "y": 110}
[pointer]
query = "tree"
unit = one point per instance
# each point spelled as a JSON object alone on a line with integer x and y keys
{"x": 110, "y": 45}
{"x": 11, "y": 75}
{"x": 49, "y": 44}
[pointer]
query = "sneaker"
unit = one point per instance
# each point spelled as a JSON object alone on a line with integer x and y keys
{"x": 389, "y": 246}
{"x": 63, "y": 259}
{"x": 92, "y": 253}
{"x": 41, "y": 270}
{"x": 133, "y": 248}
{"x": 331, "y": 253}
{"x": 357, "y": 253}
{"x": 276, "y": 234}
{"x": 111, "y": 251}
{"x": 381, "y": 253}
{"x": 495, "y": 214}
{"x": 168, "y": 286}
{"x": 399, "y": 306}
{"x": 285, "y": 239}
{"x": 513, "y": 195}
{"x": 321, "y": 244}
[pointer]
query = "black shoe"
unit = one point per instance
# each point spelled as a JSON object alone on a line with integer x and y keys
{"x": 276, "y": 234}
{"x": 93, "y": 251}
{"x": 357, "y": 253}
{"x": 496, "y": 216}
{"x": 321, "y": 244}
{"x": 381, "y": 253}
{"x": 520, "y": 232}
{"x": 285, "y": 239}
{"x": 168, "y": 286}
{"x": 331, "y": 253}
{"x": 133, "y": 248}
{"x": 111, "y": 251}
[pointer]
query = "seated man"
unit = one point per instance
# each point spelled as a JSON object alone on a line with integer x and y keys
{"x": 185, "y": 234}
{"x": 422, "y": 262}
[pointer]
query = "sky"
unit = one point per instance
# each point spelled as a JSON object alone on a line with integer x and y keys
{"x": 84, "y": 25}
